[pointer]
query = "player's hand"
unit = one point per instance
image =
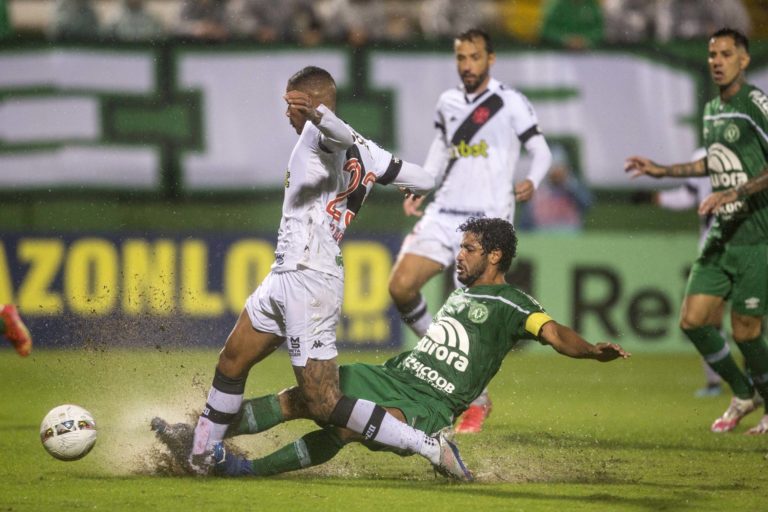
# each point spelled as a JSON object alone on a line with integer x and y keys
{"x": 524, "y": 191}
{"x": 412, "y": 205}
{"x": 302, "y": 103}
{"x": 605, "y": 352}
{"x": 715, "y": 200}
{"x": 639, "y": 166}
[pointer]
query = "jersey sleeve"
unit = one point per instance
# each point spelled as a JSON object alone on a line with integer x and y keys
{"x": 335, "y": 135}
{"x": 525, "y": 316}
{"x": 759, "y": 115}
{"x": 524, "y": 120}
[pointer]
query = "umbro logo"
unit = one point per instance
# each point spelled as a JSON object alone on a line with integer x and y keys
{"x": 317, "y": 344}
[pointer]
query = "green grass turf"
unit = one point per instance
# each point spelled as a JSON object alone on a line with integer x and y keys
{"x": 564, "y": 435}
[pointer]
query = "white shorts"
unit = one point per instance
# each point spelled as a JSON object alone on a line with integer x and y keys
{"x": 303, "y": 306}
{"x": 436, "y": 237}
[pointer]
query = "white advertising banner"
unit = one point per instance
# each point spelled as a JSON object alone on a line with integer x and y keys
{"x": 203, "y": 119}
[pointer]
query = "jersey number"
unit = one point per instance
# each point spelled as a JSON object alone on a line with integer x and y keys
{"x": 354, "y": 194}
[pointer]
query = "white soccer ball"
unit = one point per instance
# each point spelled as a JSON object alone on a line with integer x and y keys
{"x": 68, "y": 432}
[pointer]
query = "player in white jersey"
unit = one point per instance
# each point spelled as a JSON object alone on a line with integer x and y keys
{"x": 331, "y": 171}
{"x": 481, "y": 127}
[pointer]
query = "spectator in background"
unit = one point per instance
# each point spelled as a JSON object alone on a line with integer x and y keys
{"x": 134, "y": 23}
{"x": 5, "y": 21}
{"x": 560, "y": 202}
{"x": 203, "y": 19}
{"x": 359, "y": 22}
{"x": 441, "y": 19}
{"x": 629, "y": 21}
{"x": 693, "y": 19}
{"x": 268, "y": 21}
{"x": 573, "y": 24}
{"x": 74, "y": 19}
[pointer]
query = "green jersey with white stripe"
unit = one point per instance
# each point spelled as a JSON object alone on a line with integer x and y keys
{"x": 467, "y": 342}
{"x": 736, "y": 138}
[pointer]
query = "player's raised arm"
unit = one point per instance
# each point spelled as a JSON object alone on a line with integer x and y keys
{"x": 638, "y": 166}
{"x": 568, "y": 342}
{"x": 303, "y": 107}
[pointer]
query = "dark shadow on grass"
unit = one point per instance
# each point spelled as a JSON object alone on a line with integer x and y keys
{"x": 604, "y": 499}
{"x": 565, "y": 440}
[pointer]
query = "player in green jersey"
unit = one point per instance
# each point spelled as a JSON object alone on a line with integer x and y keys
{"x": 732, "y": 263}
{"x": 432, "y": 384}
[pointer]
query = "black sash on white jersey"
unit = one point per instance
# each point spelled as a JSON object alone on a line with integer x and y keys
{"x": 469, "y": 127}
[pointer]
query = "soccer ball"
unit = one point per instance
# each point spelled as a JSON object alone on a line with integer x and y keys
{"x": 68, "y": 432}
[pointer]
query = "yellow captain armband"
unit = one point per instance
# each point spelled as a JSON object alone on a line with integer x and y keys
{"x": 535, "y": 321}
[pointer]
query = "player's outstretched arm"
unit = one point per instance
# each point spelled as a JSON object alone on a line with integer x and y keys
{"x": 568, "y": 342}
{"x": 639, "y": 166}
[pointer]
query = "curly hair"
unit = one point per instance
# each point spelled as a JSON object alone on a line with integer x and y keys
{"x": 494, "y": 234}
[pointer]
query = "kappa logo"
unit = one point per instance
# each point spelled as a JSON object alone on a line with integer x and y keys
{"x": 318, "y": 344}
{"x": 752, "y": 303}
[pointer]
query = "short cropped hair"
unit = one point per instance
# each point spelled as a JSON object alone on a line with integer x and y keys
{"x": 311, "y": 76}
{"x": 738, "y": 38}
{"x": 493, "y": 234}
{"x": 474, "y": 33}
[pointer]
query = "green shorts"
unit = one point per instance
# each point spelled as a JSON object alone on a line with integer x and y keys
{"x": 377, "y": 384}
{"x": 738, "y": 273}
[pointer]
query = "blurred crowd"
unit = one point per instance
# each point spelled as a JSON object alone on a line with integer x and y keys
{"x": 573, "y": 24}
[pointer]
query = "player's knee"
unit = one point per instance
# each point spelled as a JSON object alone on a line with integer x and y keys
{"x": 746, "y": 328}
{"x": 691, "y": 320}
{"x": 402, "y": 289}
{"x": 231, "y": 362}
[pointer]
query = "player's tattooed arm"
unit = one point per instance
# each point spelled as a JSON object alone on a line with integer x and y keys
{"x": 740, "y": 192}
{"x": 686, "y": 170}
{"x": 639, "y": 166}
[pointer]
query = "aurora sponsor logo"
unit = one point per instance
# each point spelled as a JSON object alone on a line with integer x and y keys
{"x": 446, "y": 340}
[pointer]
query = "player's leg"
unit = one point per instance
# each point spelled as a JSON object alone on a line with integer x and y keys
{"x": 14, "y": 329}
{"x": 262, "y": 413}
{"x": 319, "y": 383}
{"x": 710, "y": 344}
{"x": 409, "y": 275}
{"x": 748, "y": 308}
{"x": 427, "y": 251}
{"x": 313, "y": 449}
{"x": 712, "y": 381}
{"x": 244, "y": 347}
{"x": 473, "y": 419}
